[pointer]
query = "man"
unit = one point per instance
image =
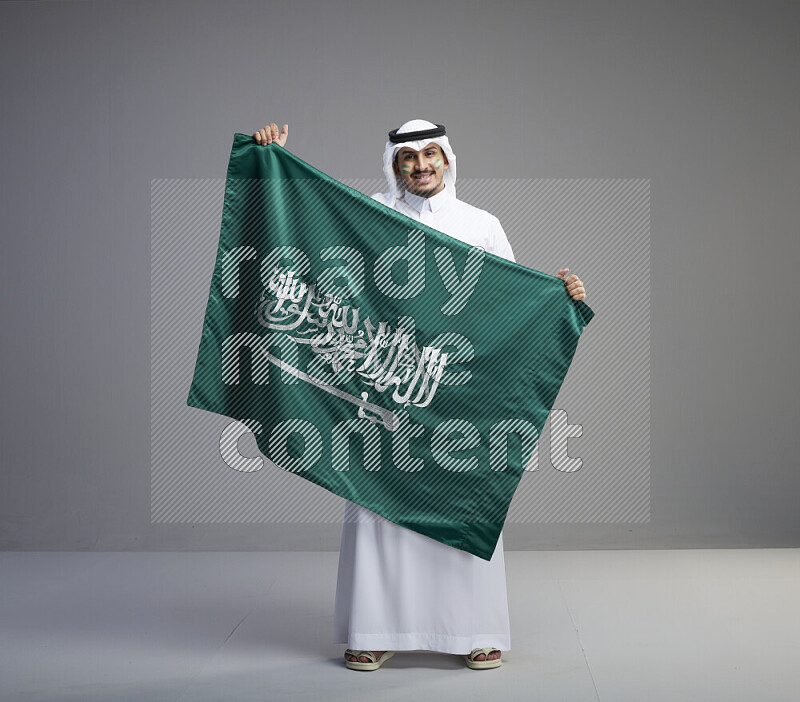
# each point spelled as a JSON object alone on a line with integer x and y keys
{"x": 397, "y": 589}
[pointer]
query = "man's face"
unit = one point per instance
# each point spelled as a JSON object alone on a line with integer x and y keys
{"x": 422, "y": 172}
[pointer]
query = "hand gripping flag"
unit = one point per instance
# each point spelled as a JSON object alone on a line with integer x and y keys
{"x": 383, "y": 360}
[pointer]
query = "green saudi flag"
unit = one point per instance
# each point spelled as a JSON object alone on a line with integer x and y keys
{"x": 383, "y": 360}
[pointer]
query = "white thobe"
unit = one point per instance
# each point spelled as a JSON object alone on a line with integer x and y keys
{"x": 398, "y": 589}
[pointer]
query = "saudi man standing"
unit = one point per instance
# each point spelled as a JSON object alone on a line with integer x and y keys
{"x": 398, "y": 590}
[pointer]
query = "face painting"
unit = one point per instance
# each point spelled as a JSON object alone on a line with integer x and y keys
{"x": 421, "y": 172}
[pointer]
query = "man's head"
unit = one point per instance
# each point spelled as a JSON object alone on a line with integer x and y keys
{"x": 421, "y": 172}
{"x": 418, "y": 159}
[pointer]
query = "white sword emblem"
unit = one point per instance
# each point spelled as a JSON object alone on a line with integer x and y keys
{"x": 390, "y": 419}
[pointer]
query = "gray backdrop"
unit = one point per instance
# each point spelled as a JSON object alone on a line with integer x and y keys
{"x": 698, "y": 99}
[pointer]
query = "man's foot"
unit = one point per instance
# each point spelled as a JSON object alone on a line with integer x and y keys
{"x": 479, "y": 660}
{"x": 364, "y": 659}
{"x": 492, "y": 656}
{"x": 368, "y": 660}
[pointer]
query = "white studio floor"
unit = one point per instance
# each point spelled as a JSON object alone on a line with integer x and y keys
{"x": 643, "y": 626}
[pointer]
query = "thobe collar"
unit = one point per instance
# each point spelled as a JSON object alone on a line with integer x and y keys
{"x": 434, "y": 203}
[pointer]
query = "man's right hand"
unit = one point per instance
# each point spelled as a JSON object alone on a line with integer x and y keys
{"x": 268, "y": 134}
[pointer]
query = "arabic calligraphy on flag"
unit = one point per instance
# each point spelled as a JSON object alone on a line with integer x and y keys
{"x": 376, "y": 357}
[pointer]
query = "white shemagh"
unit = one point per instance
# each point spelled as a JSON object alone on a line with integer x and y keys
{"x": 396, "y": 188}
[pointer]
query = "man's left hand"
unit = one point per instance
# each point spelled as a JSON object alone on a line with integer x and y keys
{"x": 574, "y": 284}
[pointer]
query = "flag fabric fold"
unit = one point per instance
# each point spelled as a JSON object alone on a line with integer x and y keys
{"x": 378, "y": 358}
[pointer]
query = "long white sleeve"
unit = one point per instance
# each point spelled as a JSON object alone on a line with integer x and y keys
{"x": 499, "y": 241}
